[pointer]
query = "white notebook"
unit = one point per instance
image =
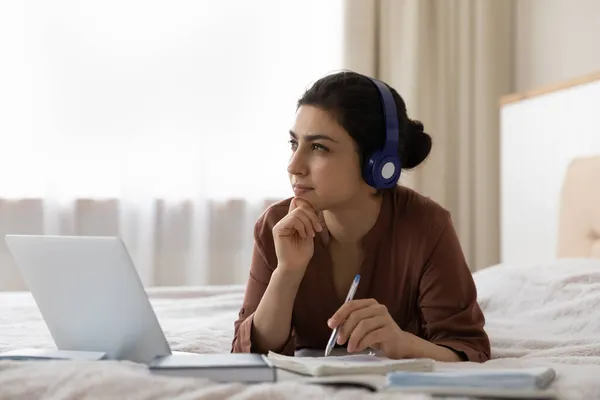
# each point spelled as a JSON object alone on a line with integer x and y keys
{"x": 227, "y": 367}
{"x": 354, "y": 364}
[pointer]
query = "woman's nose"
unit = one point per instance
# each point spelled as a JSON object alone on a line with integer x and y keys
{"x": 297, "y": 164}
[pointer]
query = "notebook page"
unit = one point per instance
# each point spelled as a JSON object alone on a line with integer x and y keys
{"x": 354, "y": 364}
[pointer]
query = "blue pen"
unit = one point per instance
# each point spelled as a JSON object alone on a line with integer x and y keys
{"x": 334, "y": 334}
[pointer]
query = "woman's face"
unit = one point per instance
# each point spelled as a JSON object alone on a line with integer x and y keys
{"x": 324, "y": 167}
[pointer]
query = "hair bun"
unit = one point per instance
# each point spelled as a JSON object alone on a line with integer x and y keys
{"x": 418, "y": 145}
{"x": 415, "y": 127}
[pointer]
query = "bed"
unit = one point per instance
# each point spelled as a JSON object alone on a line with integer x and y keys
{"x": 537, "y": 314}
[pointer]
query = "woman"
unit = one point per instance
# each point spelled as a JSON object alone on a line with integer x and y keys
{"x": 416, "y": 297}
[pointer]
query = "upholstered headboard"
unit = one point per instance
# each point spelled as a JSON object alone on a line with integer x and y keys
{"x": 579, "y": 222}
{"x": 541, "y": 133}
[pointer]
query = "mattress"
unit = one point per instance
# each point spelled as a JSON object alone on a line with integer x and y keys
{"x": 538, "y": 314}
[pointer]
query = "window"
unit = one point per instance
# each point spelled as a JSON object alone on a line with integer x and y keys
{"x": 170, "y": 99}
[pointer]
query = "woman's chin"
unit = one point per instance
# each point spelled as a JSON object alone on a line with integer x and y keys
{"x": 310, "y": 197}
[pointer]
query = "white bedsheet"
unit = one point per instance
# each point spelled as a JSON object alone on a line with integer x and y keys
{"x": 536, "y": 315}
{"x": 549, "y": 310}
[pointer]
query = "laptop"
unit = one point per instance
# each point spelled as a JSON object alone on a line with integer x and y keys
{"x": 94, "y": 303}
{"x": 90, "y": 295}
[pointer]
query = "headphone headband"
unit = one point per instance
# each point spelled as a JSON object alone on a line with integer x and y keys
{"x": 382, "y": 168}
{"x": 390, "y": 116}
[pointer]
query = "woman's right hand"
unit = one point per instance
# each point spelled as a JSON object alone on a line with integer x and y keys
{"x": 294, "y": 236}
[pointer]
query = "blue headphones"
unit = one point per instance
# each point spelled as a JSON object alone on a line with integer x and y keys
{"x": 382, "y": 167}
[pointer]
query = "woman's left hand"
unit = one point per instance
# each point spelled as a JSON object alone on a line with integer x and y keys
{"x": 365, "y": 323}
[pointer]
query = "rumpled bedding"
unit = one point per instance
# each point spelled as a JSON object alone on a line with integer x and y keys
{"x": 545, "y": 314}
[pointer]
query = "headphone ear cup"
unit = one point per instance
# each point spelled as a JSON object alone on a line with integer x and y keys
{"x": 382, "y": 171}
{"x": 369, "y": 171}
{"x": 373, "y": 169}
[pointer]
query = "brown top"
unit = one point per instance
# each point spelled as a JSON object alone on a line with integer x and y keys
{"x": 413, "y": 264}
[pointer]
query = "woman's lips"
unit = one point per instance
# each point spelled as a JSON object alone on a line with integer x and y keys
{"x": 301, "y": 189}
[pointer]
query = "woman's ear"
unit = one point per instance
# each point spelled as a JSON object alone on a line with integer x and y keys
{"x": 370, "y": 189}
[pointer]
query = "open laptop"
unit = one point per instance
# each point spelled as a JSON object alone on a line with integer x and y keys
{"x": 90, "y": 295}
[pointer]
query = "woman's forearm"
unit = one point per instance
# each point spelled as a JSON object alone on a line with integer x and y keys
{"x": 422, "y": 348}
{"x": 273, "y": 316}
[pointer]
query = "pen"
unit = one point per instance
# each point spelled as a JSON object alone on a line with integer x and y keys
{"x": 334, "y": 335}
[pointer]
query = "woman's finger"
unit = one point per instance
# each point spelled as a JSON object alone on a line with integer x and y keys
{"x": 372, "y": 339}
{"x": 314, "y": 219}
{"x": 299, "y": 226}
{"x": 363, "y": 328}
{"x": 353, "y": 320}
{"x": 291, "y": 226}
{"x": 310, "y": 212}
{"x": 348, "y": 308}
{"x": 296, "y": 220}
{"x": 305, "y": 217}
{"x": 293, "y": 205}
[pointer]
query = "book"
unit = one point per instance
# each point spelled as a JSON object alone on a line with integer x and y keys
{"x": 51, "y": 354}
{"x": 484, "y": 383}
{"x": 227, "y": 367}
{"x": 521, "y": 378}
{"x": 353, "y": 364}
{"x": 475, "y": 393}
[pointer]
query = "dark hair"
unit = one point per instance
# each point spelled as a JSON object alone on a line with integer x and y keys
{"x": 354, "y": 101}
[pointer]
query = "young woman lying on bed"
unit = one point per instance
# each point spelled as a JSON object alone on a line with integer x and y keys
{"x": 348, "y": 216}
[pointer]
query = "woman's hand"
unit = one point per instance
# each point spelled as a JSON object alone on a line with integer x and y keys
{"x": 294, "y": 236}
{"x": 367, "y": 324}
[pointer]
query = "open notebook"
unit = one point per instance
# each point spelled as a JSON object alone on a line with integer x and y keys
{"x": 353, "y": 364}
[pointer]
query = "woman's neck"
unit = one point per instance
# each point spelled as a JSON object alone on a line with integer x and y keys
{"x": 348, "y": 224}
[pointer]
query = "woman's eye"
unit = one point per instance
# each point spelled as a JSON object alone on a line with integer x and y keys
{"x": 320, "y": 147}
{"x": 315, "y": 146}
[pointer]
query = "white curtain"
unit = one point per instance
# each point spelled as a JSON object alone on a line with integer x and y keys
{"x": 451, "y": 60}
{"x": 163, "y": 122}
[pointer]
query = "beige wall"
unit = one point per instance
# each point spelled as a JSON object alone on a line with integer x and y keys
{"x": 555, "y": 40}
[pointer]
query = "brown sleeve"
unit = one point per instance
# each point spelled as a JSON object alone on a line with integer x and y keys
{"x": 260, "y": 275}
{"x": 448, "y": 299}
